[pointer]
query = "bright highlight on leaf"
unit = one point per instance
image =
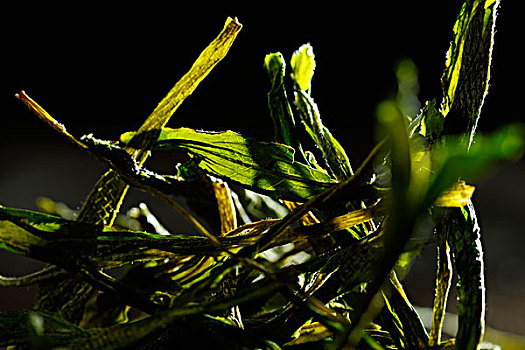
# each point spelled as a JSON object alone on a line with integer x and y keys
{"x": 303, "y": 66}
{"x": 458, "y": 196}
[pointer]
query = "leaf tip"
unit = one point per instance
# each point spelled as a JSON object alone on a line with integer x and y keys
{"x": 234, "y": 22}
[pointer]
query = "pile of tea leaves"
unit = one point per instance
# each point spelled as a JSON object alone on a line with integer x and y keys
{"x": 294, "y": 247}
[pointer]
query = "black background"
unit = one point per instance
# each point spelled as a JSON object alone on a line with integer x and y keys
{"x": 102, "y": 68}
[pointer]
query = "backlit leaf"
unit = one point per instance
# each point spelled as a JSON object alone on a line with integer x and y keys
{"x": 260, "y": 166}
{"x": 303, "y": 65}
{"x": 280, "y": 109}
{"x": 466, "y": 77}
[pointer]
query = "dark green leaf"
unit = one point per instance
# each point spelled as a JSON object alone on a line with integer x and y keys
{"x": 463, "y": 234}
{"x": 63, "y": 242}
{"x": 443, "y": 279}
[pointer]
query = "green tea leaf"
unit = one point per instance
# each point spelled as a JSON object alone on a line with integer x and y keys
{"x": 467, "y": 72}
{"x": 266, "y": 167}
{"x": 303, "y": 65}
{"x": 280, "y": 110}
{"x": 410, "y": 330}
{"x": 65, "y": 242}
{"x": 55, "y": 240}
{"x": 310, "y": 332}
{"x": 465, "y": 84}
{"x": 463, "y": 234}
{"x": 37, "y": 329}
{"x": 443, "y": 280}
{"x": 200, "y": 69}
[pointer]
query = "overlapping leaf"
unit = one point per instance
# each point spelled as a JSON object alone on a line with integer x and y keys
{"x": 65, "y": 242}
{"x": 55, "y": 240}
{"x": 266, "y": 167}
{"x": 303, "y": 66}
{"x": 279, "y": 106}
{"x": 37, "y": 329}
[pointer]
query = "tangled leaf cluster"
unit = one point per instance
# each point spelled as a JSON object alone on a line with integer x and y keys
{"x": 291, "y": 252}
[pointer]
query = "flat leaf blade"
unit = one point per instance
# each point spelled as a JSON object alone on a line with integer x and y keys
{"x": 267, "y": 167}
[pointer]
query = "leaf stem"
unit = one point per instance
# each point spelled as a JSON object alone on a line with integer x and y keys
{"x": 45, "y": 273}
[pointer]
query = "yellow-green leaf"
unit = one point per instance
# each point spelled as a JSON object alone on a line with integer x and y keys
{"x": 266, "y": 167}
{"x": 303, "y": 66}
